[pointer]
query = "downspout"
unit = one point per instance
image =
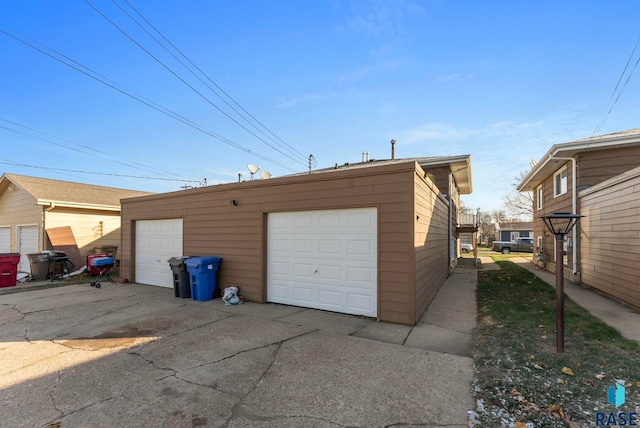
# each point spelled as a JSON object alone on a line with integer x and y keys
{"x": 43, "y": 233}
{"x": 574, "y": 197}
{"x": 451, "y": 241}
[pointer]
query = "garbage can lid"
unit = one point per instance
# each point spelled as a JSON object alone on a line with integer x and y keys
{"x": 194, "y": 262}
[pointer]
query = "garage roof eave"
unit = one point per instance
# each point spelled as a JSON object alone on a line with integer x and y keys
{"x": 460, "y": 167}
{"x": 54, "y": 204}
{"x": 559, "y": 153}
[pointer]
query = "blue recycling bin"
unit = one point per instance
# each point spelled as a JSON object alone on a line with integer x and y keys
{"x": 203, "y": 274}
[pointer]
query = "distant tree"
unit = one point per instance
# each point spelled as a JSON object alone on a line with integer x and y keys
{"x": 519, "y": 205}
{"x": 487, "y": 226}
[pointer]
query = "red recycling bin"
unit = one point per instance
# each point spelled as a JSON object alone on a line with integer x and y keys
{"x": 92, "y": 269}
{"x": 9, "y": 269}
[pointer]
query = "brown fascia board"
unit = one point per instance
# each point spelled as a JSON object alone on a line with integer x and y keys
{"x": 552, "y": 160}
{"x": 459, "y": 165}
{"x": 320, "y": 175}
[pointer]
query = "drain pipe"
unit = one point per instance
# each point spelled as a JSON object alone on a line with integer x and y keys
{"x": 574, "y": 197}
{"x": 451, "y": 239}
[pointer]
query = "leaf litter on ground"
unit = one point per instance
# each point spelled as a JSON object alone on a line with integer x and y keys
{"x": 520, "y": 378}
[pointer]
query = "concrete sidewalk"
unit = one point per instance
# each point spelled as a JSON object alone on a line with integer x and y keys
{"x": 615, "y": 314}
{"x": 134, "y": 355}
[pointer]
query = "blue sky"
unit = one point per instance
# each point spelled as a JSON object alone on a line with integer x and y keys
{"x": 501, "y": 81}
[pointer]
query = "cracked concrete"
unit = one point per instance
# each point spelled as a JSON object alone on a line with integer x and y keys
{"x": 133, "y": 355}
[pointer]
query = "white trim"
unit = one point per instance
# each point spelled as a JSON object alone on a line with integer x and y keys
{"x": 24, "y": 265}
{"x": 563, "y": 189}
{"x": 324, "y": 259}
{"x": 156, "y": 241}
{"x": 539, "y": 197}
{"x": 48, "y": 204}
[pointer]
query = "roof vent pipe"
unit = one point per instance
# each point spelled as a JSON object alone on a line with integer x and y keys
{"x": 393, "y": 149}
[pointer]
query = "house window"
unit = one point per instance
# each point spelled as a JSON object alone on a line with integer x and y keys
{"x": 539, "y": 197}
{"x": 560, "y": 182}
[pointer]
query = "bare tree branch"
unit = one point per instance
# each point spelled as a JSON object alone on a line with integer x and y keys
{"x": 519, "y": 204}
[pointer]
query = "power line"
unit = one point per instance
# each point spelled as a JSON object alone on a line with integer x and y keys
{"x": 281, "y": 142}
{"x": 617, "y": 85}
{"x": 200, "y": 94}
{"x": 8, "y": 162}
{"x": 109, "y": 83}
{"x": 87, "y": 149}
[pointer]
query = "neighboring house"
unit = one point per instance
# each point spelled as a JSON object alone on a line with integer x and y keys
{"x": 598, "y": 177}
{"x": 29, "y": 206}
{"x": 375, "y": 238}
{"x": 510, "y": 231}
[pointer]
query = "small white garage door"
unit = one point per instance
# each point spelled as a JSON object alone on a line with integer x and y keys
{"x": 5, "y": 239}
{"x": 27, "y": 243}
{"x": 324, "y": 260}
{"x": 156, "y": 242}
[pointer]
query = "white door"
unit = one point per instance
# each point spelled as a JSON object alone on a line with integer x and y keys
{"x": 26, "y": 243}
{"x": 324, "y": 260}
{"x": 5, "y": 239}
{"x": 156, "y": 242}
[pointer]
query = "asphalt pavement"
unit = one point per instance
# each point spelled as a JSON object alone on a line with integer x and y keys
{"x": 136, "y": 356}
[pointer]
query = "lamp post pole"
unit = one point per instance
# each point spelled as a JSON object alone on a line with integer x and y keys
{"x": 560, "y": 224}
{"x": 559, "y": 293}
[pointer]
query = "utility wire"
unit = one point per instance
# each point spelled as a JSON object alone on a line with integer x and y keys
{"x": 86, "y": 149}
{"x": 96, "y": 76}
{"x": 200, "y": 94}
{"x": 282, "y": 143}
{"x": 8, "y": 162}
{"x": 617, "y": 85}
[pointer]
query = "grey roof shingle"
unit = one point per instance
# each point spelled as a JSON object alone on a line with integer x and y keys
{"x": 69, "y": 192}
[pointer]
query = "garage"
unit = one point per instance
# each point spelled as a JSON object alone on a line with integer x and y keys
{"x": 324, "y": 259}
{"x": 156, "y": 241}
{"x": 368, "y": 239}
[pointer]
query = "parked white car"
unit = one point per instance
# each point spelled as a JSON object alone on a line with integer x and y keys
{"x": 466, "y": 248}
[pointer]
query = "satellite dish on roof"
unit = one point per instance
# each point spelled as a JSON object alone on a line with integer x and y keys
{"x": 253, "y": 169}
{"x": 265, "y": 175}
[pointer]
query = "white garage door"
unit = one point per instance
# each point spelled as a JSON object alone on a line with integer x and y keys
{"x": 156, "y": 242}
{"x": 5, "y": 239}
{"x": 324, "y": 260}
{"x": 27, "y": 243}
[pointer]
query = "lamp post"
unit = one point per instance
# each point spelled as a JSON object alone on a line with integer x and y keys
{"x": 560, "y": 224}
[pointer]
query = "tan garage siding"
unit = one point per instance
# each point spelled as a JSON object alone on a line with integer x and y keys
{"x": 89, "y": 230}
{"x": 610, "y": 238}
{"x": 212, "y": 226}
{"x": 431, "y": 242}
{"x": 18, "y": 207}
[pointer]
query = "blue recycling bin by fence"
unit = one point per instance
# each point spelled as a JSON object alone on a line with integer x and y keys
{"x": 203, "y": 276}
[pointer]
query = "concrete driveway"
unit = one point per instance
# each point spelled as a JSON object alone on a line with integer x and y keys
{"x": 135, "y": 356}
